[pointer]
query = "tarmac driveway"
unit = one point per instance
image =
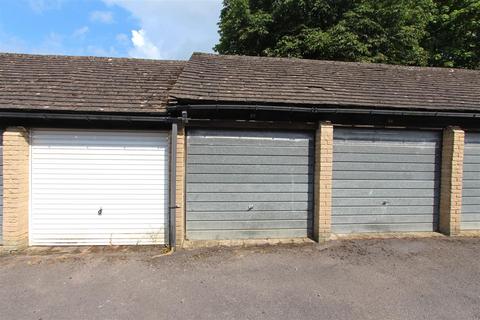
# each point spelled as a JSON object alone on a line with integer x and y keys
{"x": 433, "y": 278}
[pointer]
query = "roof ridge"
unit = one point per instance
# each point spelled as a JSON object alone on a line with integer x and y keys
{"x": 338, "y": 62}
{"x": 80, "y": 57}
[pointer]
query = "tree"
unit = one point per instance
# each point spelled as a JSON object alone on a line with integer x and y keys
{"x": 410, "y": 32}
{"x": 455, "y": 34}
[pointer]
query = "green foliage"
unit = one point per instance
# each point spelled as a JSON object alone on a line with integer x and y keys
{"x": 455, "y": 34}
{"x": 410, "y": 32}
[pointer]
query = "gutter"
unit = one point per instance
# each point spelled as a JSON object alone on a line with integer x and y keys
{"x": 320, "y": 110}
{"x": 87, "y": 117}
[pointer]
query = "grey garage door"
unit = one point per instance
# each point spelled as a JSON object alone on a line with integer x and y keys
{"x": 470, "y": 218}
{"x": 385, "y": 180}
{"x": 244, "y": 184}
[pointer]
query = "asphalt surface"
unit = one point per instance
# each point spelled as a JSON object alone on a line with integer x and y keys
{"x": 435, "y": 278}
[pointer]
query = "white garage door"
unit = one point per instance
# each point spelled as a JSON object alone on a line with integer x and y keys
{"x": 98, "y": 187}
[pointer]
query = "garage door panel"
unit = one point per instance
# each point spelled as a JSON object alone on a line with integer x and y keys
{"x": 94, "y": 145}
{"x": 249, "y": 187}
{"x": 392, "y": 137}
{"x": 86, "y": 238}
{"x": 385, "y": 175}
{"x": 82, "y": 242}
{"x": 246, "y": 234}
{"x": 385, "y": 158}
{"x": 384, "y": 184}
{"x": 470, "y": 183}
{"x": 248, "y": 197}
{"x": 69, "y": 188}
{"x": 384, "y": 167}
{"x": 104, "y": 202}
{"x": 67, "y": 183}
{"x": 100, "y": 164}
{"x": 387, "y": 227}
{"x": 250, "y": 225}
{"x": 108, "y": 172}
{"x": 51, "y": 218}
{"x": 249, "y": 169}
{"x": 470, "y": 193}
{"x": 93, "y": 211}
{"x": 470, "y": 208}
{"x": 343, "y": 146}
{"x": 257, "y": 215}
{"x": 382, "y": 193}
{"x": 61, "y": 137}
{"x": 470, "y": 217}
{"x": 257, "y": 139}
{"x": 471, "y": 179}
{"x": 243, "y": 184}
{"x": 245, "y": 205}
{"x": 385, "y": 180}
{"x": 473, "y": 157}
{"x": 471, "y": 225}
{"x": 473, "y": 140}
{"x": 109, "y": 236}
{"x": 470, "y": 200}
{"x": 475, "y": 193}
{"x": 384, "y": 219}
{"x": 397, "y": 201}
{"x": 132, "y": 165}
{"x": 108, "y": 228}
{"x": 102, "y": 179}
{"x": 252, "y": 150}
{"x": 471, "y": 167}
{"x": 248, "y": 178}
{"x": 385, "y": 210}
{"x": 118, "y": 190}
{"x": 71, "y": 153}
{"x": 266, "y": 141}
{"x": 248, "y": 159}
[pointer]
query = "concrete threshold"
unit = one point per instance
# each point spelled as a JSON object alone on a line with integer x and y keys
{"x": 193, "y": 244}
{"x": 386, "y": 235}
{"x": 84, "y": 249}
{"x": 469, "y": 233}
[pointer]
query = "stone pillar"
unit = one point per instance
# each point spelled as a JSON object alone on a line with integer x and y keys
{"x": 16, "y": 154}
{"x": 323, "y": 181}
{"x": 451, "y": 180}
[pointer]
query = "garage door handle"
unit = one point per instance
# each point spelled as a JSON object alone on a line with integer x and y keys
{"x": 100, "y": 212}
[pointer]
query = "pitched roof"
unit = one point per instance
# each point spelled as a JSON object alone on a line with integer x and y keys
{"x": 89, "y": 84}
{"x": 260, "y": 80}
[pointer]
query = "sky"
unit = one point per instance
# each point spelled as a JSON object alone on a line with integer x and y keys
{"x": 153, "y": 29}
